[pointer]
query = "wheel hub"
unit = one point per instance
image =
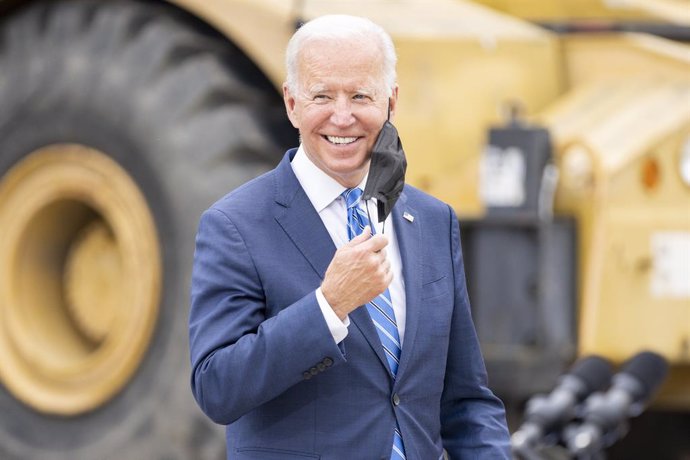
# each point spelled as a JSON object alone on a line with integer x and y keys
{"x": 93, "y": 278}
{"x": 80, "y": 277}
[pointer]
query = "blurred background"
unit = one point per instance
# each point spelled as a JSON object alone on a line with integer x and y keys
{"x": 559, "y": 131}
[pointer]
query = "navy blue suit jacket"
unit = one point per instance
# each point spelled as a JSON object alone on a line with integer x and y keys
{"x": 264, "y": 362}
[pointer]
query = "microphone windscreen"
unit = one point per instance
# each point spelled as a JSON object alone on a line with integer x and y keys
{"x": 649, "y": 369}
{"x": 594, "y": 371}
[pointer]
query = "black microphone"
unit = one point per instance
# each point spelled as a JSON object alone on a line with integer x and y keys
{"x": 605, "y": 415}
{"x": 546, "y": 414}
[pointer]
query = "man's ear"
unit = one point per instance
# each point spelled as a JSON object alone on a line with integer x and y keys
{"x": 393, "y": 103}
{"x": 290, "y": 104}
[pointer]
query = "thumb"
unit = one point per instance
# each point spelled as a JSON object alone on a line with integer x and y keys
{"x": 362, "y": 237}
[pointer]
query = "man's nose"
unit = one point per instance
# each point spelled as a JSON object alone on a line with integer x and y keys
{"x": 342, "y": 112}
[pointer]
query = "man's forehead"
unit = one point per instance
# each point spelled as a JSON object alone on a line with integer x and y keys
{"x": 323, "y": 70}
{"x": 320, "y": 49}
{"x": 369, "y": 87}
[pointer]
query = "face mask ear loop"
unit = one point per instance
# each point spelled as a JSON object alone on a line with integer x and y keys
{"x": 371, "y": 224}
{"x": 372, "y": 229}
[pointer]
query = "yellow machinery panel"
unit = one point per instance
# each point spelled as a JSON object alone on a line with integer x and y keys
{"x": 622, "y": 56}
{"x": 621, "y": 147}
{"x": 593, "y": 10}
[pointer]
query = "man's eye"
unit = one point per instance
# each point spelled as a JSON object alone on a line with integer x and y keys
{"x": 360, "y": 97}
{"x": 320, "y": 97}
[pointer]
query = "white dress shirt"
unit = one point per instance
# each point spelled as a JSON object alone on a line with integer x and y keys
{"x": 324, "y": 193}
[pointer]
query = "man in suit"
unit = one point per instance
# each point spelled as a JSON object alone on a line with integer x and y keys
{"x": 284, "y": 350}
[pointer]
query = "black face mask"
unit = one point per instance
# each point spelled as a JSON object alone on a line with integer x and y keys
{"x": 386, "y": 171}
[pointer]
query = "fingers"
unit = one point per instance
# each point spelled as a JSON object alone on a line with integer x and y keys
{"x": 368, "y": 242}
{"x": 362, "y": 237}
{"x": 386, "y": 265}
{"x": 358, "y": 272}
{"x": 376, "y": 243}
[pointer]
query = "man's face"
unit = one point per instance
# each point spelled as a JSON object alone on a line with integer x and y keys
{"x": 340, "y": 106}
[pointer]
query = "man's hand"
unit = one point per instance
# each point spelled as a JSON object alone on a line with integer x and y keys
{"x": 358, "y": 273}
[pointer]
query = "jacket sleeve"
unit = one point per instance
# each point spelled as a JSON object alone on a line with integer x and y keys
{"x": 240, "y": 357}
{"x": 473, "y": 421}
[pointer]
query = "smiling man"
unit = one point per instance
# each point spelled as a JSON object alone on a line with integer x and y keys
{"x": 315, "y": 330}
{"x": 340, "y": 101}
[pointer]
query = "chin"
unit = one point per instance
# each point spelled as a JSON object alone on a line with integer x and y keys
{"x": 348, "y": 168}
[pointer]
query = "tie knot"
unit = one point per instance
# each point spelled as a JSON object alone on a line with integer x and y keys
{"x": 352, "y": 196}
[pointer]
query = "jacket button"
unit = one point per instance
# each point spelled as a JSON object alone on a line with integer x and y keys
{"x": 313, "y": 371}
{"x": 328, "y": 362}
{"x": 306, "y": 375}
{"x": 321, "y": 367}
{"x": 396, "y": 399}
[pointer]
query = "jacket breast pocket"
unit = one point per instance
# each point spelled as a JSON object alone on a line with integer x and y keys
{"x": 437, "y": 302}
{"x": 438, "y": 286}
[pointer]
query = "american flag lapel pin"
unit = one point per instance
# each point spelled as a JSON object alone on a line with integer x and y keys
{"x": 407, "y": 216}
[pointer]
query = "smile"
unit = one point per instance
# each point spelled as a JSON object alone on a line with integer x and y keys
{"x": 340, "y": 140}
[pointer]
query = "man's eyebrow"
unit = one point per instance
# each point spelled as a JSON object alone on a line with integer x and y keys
{"x": 367, "y": 90}
{"x": 320, "y": 88}
{"x": 317, "y": 88}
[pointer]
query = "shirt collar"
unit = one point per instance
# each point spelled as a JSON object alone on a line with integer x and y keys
{"x": 321, "y": 189}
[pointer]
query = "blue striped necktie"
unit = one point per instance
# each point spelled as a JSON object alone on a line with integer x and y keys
{"x": 380, "y": 308}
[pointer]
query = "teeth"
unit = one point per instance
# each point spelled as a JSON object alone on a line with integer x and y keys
{"x": 341, "y": 140}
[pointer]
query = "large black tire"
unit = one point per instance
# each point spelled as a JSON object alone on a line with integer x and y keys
{"x": 189, "y": 118}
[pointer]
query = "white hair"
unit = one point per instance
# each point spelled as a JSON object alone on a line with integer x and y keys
{"x": 340, "y": 27}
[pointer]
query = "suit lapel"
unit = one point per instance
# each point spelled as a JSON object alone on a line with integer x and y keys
{"x": 409, "y": 235}
{"x": 298, "y": 218}
{"x": 360, "y": 318}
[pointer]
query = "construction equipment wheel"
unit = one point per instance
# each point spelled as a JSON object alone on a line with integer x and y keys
{"x": 120, "y": 121}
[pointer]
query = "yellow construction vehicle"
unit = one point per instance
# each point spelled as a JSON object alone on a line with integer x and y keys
{"x": 558, "y": 130}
